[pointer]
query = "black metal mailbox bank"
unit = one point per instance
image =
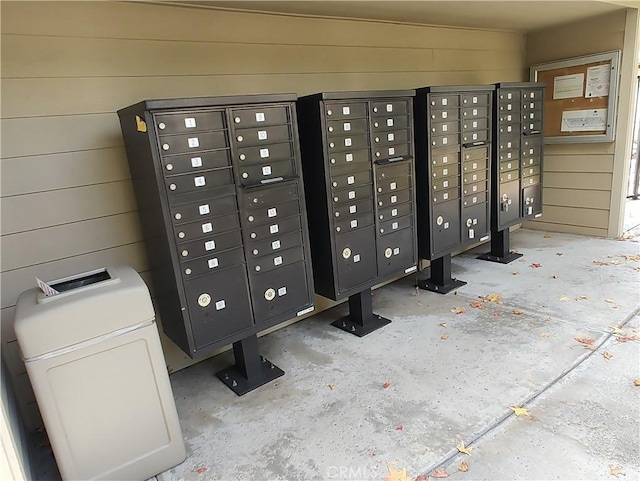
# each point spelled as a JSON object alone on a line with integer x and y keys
{"x": 453, "y": 164}
{"x": 358, "y": 163}
{"x": 221, "y": 200}
{"x": 517, "y": 171}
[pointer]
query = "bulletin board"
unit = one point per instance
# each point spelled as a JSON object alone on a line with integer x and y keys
{"x": 580, "y": 98}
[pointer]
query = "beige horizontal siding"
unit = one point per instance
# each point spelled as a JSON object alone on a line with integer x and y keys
{"x": 578, "y": 163}
{"x": 588, "y": 199}
{"x": 578, "y": 180}
{"x": 566, "y": 228}
{"x": 596, "y": 218}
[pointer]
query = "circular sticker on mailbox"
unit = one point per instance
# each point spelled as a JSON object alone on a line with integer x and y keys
{"x": 269, "y": 294}
{"x": 204, "y": 300}
{"x": 439, "y": 220}
{"x": 469, "y": 222}
{"x": 346, "y": 253}
{"x": 388, "y": 252}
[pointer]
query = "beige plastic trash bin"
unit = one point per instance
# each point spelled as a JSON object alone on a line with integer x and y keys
{"x": 94, "y": 359}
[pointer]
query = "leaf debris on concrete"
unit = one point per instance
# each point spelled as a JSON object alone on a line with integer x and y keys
{"x": 458, "y": 310}
{"x": 586, "y": 342}
{"x": 464, "y": 467}
{"x": 518, "y": 411}
{"x": 615, "y": 471}
{"x": 464, "y": 450}
{"x": 397, "y": 474}
{"x": 607, "y": 355}
{"x": 439, "y": 473}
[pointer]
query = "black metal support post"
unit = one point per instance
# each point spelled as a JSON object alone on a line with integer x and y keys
{"x": 251, "y": 370}
{"x": 500, "y": 248}
{"x": 441, "y": 280}
{"x": 361, "y": 319}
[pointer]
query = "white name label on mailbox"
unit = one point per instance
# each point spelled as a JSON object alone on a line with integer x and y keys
{"x": 352, "y": 209}
{"x": 272, "y": 212}
{"x": 277, "y": 261}
{"x": 389, "y": 122}
{"x": 348, "y": 157}
{"x": 392, "y": 151}
{"x": 356, "y": 258}
{"x": 282, "y": 291}
{"x": 352, "y": 194}
{"x": 346, "y": 127}
{"x": 189, "y": 122}
{"x": 208, "y": 227}
{"x": 273, "y": 228}
{"x": 390, "y": 137}
{"x": 260, "y": 117}
{"x": 389, "y": 107}
{"x": 347, "y": 142}
{"x": 209, "y": 245}
{"x": 199, "y": 181}
{"x": 220, "y": 305}
{"x": 196, "y": 162}
{"x": 204, "y": 209}
{"x": 264, "y": 153}
{"x": 262, "y": 135}
{"x": 346, "y": 110}
{"x": 193, "y": 142}
{"x": 394, "y": 199}
{"x": 275, "y": 245}
{"x": 213, "y": 263}
{"x": 354, "y": 224}
{"x": 393, "y": 186}
{"x": 266, "y": 170}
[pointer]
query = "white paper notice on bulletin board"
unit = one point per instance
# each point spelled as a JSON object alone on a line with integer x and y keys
{"x": 597, "y": 81}
{"x": 568, "y": 86}
{"x": 584, "y": 120}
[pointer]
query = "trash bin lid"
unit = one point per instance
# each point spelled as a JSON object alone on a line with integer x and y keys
{"x": 93, "y": 304}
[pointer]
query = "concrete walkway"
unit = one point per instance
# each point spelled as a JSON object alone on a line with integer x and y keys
{"x": 406, "y": 396}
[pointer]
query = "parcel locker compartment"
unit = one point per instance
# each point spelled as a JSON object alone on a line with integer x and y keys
{"x": 393, "y": 184}
{"x": 474, "y": 188}
{"x": 209, "y": 245}
{"x": 398, "y": 150}
{"x": 275, "y": 260}
{"x": 356, "y": 258}
{"x": 531, "y": 105}
{"x": 510, "y": 128}
{"x": 271, "y": 246}
{"x": 475, "y": 99}
{"x": 445, "y": 226}
{"x": 262, "y": 135}
{"x": 474, "y": 112}
{"x": 345, "y": 180}
{"x": 395, "y": 211}
{"x": 382, "y": 139}
{"x": 444, "y": 140}
{"x": 389, "y": 123}
{"x": 340, "y": 159}
{"x": 442, "y": 157}
{"x": 531, "y": 146}
{"x": 280, "y": 291}
{"x": 509, "y": 155}
{"x": 183, "y": 163}
{"x": 352, "y": 194}
{"x": 509, "y": 165}
{"x": 267, "y": 197}
{"x": 444, "y": 171}
{"x": 339, "y": 143}
{"x": 474, "y": 165}
{"x": 509, "y": 142}
{"x": 475, "y": 222}
{"x": 192, "y": 121}
{"x": 473, "y": 199}
{"x": 349, "y": 209}
{"x": 389, "y": 107}
{"x": 203, "y": 180}
{"x": 271, "y": 231}
{"x": 256, "y": 174}
{"x": 447, "y": 183}
{"x": 444, "y": 114}
{"x": 218, "y": 305}
{"x": 474, "y": 124}
{"x": 479, "y": 136}
{"x": 399, "y": 197}
{"x": 215, "y": 261}
{"x": 393, "y": 171}
{"x": 193, "y": 142}
{"x": 445, "y": 128}
{"x": 445, "y": 195}
{"x": 348, "y": 126}
{"x": 532, "y": 200}
{"x": 197, "y": 210}
{"x": 471, "y": 177}
{"x": 531, "y": 126}
{"x": 353, "y": 221}
{"x": 258, "y": 117}
{"x": 206, "y": 227}
{"x": 272, "y": 212}
{"x": 344, "y": 110}
{"x": 510, "y": 175}
{"x": 534, "y": 179}
{"x": 439, "y": 101}
{"x": 529, "y": 171}
{"x": 396, "y": 252}
{"x": 508, "y": 202}
{"x": 473, "y": 153}
{"x": 393, "y": 225}
{"x": 269, "y": 153}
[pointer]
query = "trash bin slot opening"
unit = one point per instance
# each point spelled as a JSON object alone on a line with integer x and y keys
{"x": 82, "y": 281}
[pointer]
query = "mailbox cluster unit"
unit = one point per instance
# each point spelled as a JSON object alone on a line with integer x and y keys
{"x": 358, "y": 162}
{"x": 221, "y": 199}
{"x": 453, "y": 144}
{"x": 517, "y": 170}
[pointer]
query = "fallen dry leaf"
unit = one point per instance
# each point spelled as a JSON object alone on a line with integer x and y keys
{"x": 559, "y": 253}
{"x": 439, "y": 473}
{"x": 518, "y": 312}
{"x": 615, "y": 471}
{"x": 497, "y": 314}
{"x": 564, "y": 298}
{"x": 601, "y": 263}
{"x": 628, "y": 337}
{"x": 443, "y": 324}
{"x": 586, "y": 342}
{"x": 607, "y": 355}
{"x": 458, "y": 310}
{"x": 464, "y": 450}
{"x": 616, "y": 330}
{"x": 615, "y": 262}
{"x": 464, "y": 467}
{"x": 544, "y": 335}
{"x": 520, "y": 411}
{"x": 515, "y": 273}
{"x": 422, "y": 477}
{"x": 399, "y": 427}
{"x": 444, "y": 337}
{"x": 331, "y": 386}
{"x": 386, "y": 384}
{"x": 636, "y": 382}
{"x": 535, "y": 265}
{"x": 491, "y": 298}
{"x": 582, "y": 298}
{"x": 397, "y": 474}
{"x": 547, "y": 236}
{"x": 201, "y": 470}
{"x": 477, "y": 305}
{"x": 610, "y": 301}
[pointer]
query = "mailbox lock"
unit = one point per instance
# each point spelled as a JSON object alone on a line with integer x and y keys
{"x": 178, "y": 216}
{"x": 204, "y": 300}
{"x": 269, "y": 294}
{"x": 469, "y": 222}
{"x": 161, "y": 126}
{"x": 330, "y": 129}
{"x": 439, "y": 220}
{"x": 169, "y": 166}
{"x": 240, "y": 138}
{"x": 243, "y": 156}
{"x": 237, "y": 120}
{"x": 388, "y": 252}
{"x": 255, "y": 252}
{"x": 346, "y": 253}
{"x": 185, "y": 253}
